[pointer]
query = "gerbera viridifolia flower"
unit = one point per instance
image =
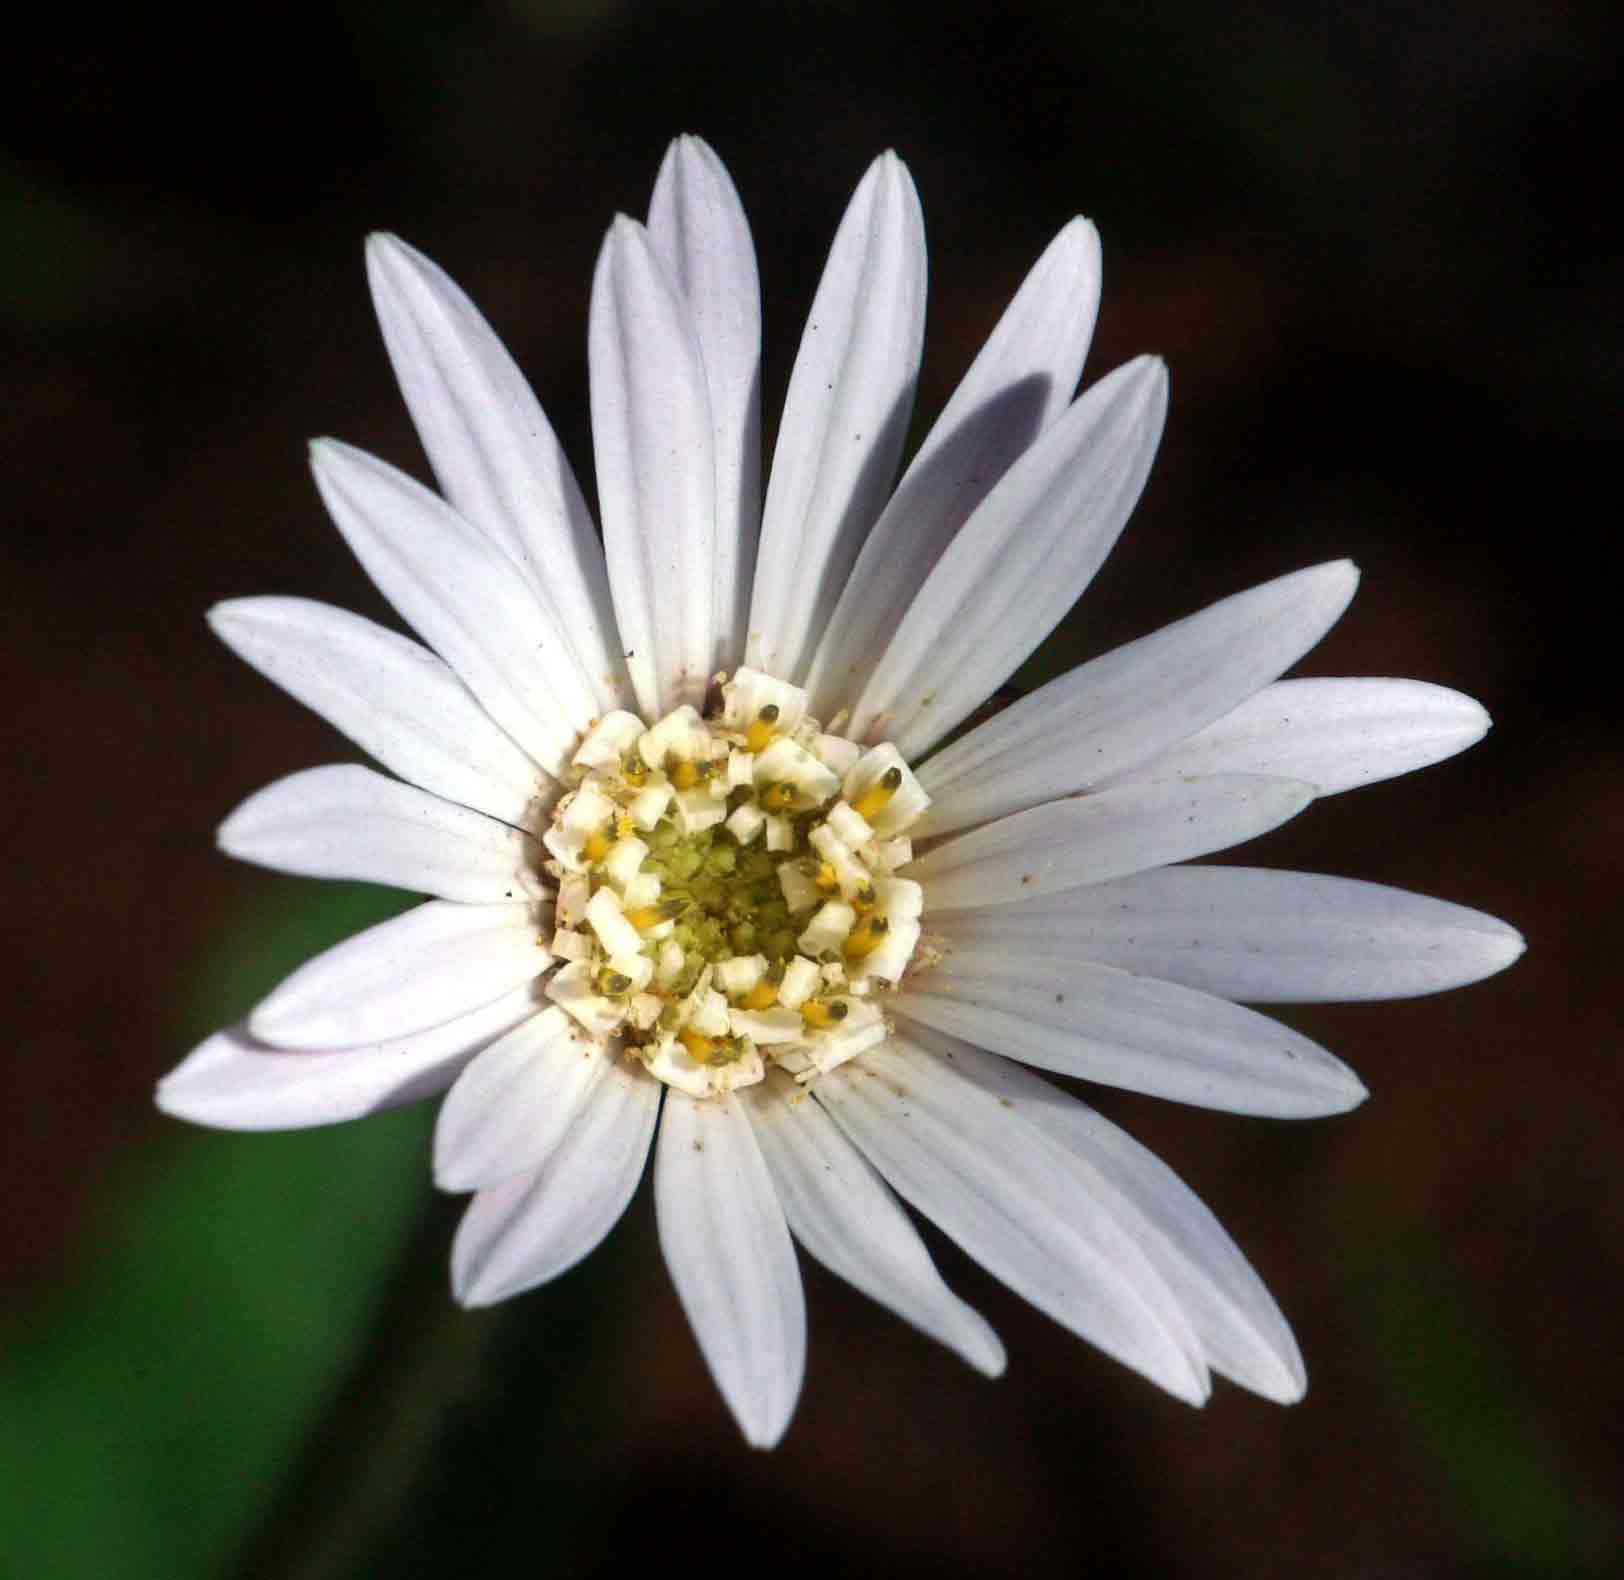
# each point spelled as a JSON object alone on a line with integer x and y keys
{"x": 665, "y": 797}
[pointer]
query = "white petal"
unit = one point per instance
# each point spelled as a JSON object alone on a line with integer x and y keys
{"x": 1025, "y": 1208}
{"x": 1252, "y": 934}
{"x": 1093, "y": 838}
{"x": 841, "y": 1211}
{"x": 1336, "y": 734}
{"x": 1101, "y": 1024}
{"x": 414, "y": 971}
{"x": 516, "y": 1102}
{"x": 528, "y": 1230}
{"x": 1022, "y": 380}
{"x": 1119, "y": 711}
{"x": 697, "y": 225}
{"x": 1019, "y": 563}
{"x": 651, "y": 435}
{"x": 235, "y": 1082}
{"x": 728, "y": 1249}
{"x": 461, "y": 595}
{"x": 845, "y": 417}
{"x": 494, "y": 453}
{"x": 349, "y": 822}
{"x": 394, "y": 699}
{"x": 1240, "y": 1327}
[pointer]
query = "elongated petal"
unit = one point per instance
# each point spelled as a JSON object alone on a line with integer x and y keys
{"x": 1101, "y": 1024}
{"x": 513, "y": 1105}
{"x": 698, "y": 228}
{"x": 1029, "y": 1211}
{"x": 235, "y": 1082}
{"x": 494, "y": 453}
{"x": 1093, "y": 838}
{"x": 404, "y": 975}
{"x": 842, "y": 1212}
{"x": 728, "y": 1249}
{"x": 349, "y": 822}
{"x": 1252, "y": 934}
{"x": 651, "y": 435}
{"x": 1019, "y": 563}
{"x": 394, "y": 699}
{"x": 1242, "y": 1332}
{"x": 460, "y": 594}
{"x": 845, "y": 417}
{"x": 1336, "y": 734}
{"x": 528, "y": 1230}
{"x": 1121, "y": 710}
{"x": 1022, "y": 380}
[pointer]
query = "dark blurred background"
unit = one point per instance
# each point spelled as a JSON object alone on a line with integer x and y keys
{"x": 1378, "y": 245}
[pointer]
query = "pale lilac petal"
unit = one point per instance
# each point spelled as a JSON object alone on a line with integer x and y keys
{"x": 1025, "y": 1208}
{"x": 652, "y": 439}
{"x": 1093, "y": 838}
{"x": 1020, "y": 383}
{"x": 1100, "y": 1024}
{"x": 422, "y": 969}
{"x": 1251, "y": 934}
{"x": 842, "y": 1212}
{"x": 729, "y": 1252}
{"x": 528, "y": 1230}
{"x": 459, "y": 592}
{"x": 346, "y": 821}
{"x": 1119, "y": 711}
{"x": 494, "y": 453}
{"x": 698, "y": 228}
{"x": 1242, "y": 1332}
{"x": 235, "y": 1082}
{"x": 513, "y": 1105}
{"x": 394, "y": 699}
{"x": 845, "y": 418}
{"x": 1336, "y": 734}
{"x": 1018, "y": 564}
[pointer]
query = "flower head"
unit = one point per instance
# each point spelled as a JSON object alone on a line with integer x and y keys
{"x": 705, "y": 858}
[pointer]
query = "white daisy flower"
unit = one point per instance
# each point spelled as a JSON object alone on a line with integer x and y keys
{"x": 701, "y": 864}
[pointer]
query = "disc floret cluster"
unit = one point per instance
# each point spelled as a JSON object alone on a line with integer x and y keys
{"x": 727, "y": 889}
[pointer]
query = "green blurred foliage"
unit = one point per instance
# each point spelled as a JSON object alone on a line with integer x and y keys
{"x": 48, "y": 247}
{"x": 1520, "y": 1511}
{"x": 148, "y": 1415}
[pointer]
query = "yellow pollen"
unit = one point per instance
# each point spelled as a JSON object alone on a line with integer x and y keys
{"x": 874, "y": 800}
{"x": 634, "y": 771}
{"x": 762, "y": 996}
{"x": 865, "y": 899}
{"x": 778, "y": 797}
{"x": 647, "y": 916}
{"x": 625, "y": 828}
{"x": 760, "y": 734}
{"x": 596, "y": 847}
{"x": 825, "y": 878}
{"x": 701, "y": 1049}
{"x": 823, "y": 1013}
{"x": 684, "y": 774}
{"x": 866, "y": 937}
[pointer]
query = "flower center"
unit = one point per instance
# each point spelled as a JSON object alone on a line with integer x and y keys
{"x": 727, "y": 896}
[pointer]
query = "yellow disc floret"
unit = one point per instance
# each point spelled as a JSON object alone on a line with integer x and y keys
{"x": 761, "y": 732}
{"x": 877, "y": 797}
{"x": 821, "y": 1014}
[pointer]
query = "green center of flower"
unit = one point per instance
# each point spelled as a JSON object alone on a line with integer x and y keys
{"x": 725, "y": 899}
{"x": 727, "y": 896}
